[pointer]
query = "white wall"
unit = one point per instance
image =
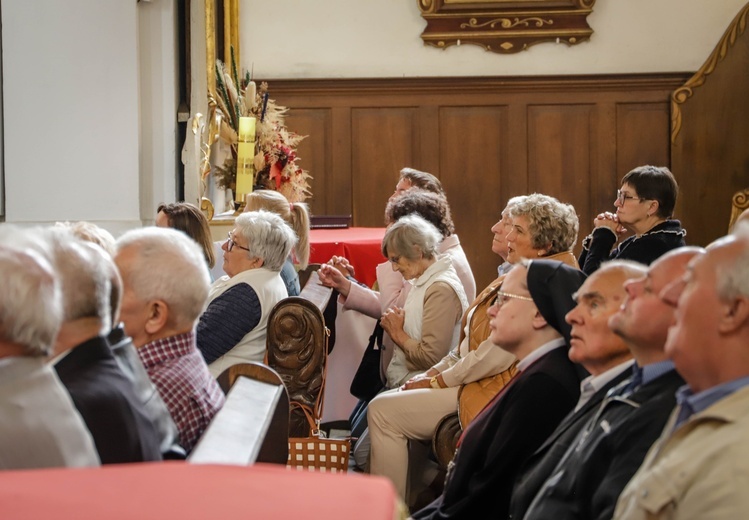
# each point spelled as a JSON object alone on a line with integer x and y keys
{"x": 71, "y": 123}
{"x": 89, "y": 85}
{"x": 381, "y": 38}
{"x": 158, "y": 105}
{"x": 71, "y": 94}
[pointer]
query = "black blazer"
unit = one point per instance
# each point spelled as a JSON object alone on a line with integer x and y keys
{"x": 107, "y": 402}
{"x": 587, "y": 482}
{"x": 494, "y": 446}
{"x": 538, "y": 467}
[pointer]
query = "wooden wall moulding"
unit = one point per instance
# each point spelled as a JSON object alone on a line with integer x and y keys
{"x": 505, "y": 26}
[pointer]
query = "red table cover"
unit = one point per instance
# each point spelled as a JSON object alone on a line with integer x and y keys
{"x": 175, "y": 489}
{"x": 361, "y": 245}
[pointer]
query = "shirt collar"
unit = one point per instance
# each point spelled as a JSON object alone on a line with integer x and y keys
{"x": 653, "y": 371}
{"x": 539, "y": 353}
{"x": 695, "y": 403}
{"x": 592, "y": 384}
{"x": 171, "y": 347}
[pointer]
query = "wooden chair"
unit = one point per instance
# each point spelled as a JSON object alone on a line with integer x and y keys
{"x": 252, "y": 425}
{"x": 739, "y": 205}
{"x": 297, "y": 350}
{"x": 305, "y": 273}
{"x": 445, "y": 439}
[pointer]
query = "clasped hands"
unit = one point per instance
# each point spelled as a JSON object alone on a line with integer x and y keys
{"x": 611, "y": 221}
{"x": 417, "y": 381}
{"x": 333, "y": 274}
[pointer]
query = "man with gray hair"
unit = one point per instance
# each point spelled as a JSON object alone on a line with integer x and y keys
{"x": 40, "y": 426}
{"x": 165, "y": 287}
{"x": 699, "y": 468}
{"x": 84, "y": 362}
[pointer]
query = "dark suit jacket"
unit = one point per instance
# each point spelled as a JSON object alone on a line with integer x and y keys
{"x": 107, "y": 402}
{"x": 538, "y": 467}
{"x": 503, "y": 436}
{"x": 606, "y": 453}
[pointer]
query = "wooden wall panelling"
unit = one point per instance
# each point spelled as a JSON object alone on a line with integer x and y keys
{"x": 559, "y": 148}
{"x": 427, "y": 157}
{"x": 571, "y": 137}
{"x": 383, "y": 140}
{"x": 710, "y": 128}
{"x": 316, "y": 156}
{"x": 640, "y": 135}
{"x": 473, "y": 162}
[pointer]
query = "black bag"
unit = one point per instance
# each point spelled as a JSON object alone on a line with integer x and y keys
{"x": 367, "y": 382}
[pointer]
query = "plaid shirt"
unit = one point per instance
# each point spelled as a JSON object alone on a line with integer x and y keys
{"x": 181, "y": 375}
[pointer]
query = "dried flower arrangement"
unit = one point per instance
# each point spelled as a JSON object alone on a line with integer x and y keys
{"x": 275, "y": 158}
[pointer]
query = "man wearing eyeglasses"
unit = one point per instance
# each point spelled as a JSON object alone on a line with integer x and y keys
{"x": 527, "y": 320}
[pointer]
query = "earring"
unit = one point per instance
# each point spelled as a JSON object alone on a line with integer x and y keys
{"x": 540, "y": 253}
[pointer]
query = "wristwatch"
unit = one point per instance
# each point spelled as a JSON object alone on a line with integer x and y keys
{"x": 434, "y": 383}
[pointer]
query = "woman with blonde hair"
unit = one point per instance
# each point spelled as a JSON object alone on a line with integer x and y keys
{"x": 296, "y": 215}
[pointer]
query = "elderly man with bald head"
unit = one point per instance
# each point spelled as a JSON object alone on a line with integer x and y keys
{"x": 699, "y": 467}
{"x": 608, "y": 450}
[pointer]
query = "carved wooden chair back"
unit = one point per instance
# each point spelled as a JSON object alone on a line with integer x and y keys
{"x": 297, "y": 350}
{"x": 739, "y": 204}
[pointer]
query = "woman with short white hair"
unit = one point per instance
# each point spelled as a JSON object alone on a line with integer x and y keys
{"x": 234, "y": 325}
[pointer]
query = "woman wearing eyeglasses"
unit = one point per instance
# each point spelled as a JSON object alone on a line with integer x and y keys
{"x": 644, "y": 209}
{"x": 233, "y": 327}
{"x": 296, "y": 215}
{"x": 474, "y": 370}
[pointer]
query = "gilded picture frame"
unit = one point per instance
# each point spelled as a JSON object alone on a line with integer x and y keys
{"x": 505, "y": 26}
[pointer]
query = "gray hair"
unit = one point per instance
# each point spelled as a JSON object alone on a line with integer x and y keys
{"x": 167, "y": 265}
{"x": 30, "y": 301}
{"x": 90, "y": 232}
{"x": 86, "y": 272}
{"x": 551, "y": 224}
{"x": 732, "y": 279}
{"x": 296, "y": 215}
{"x": 269, "y": 237}
{"x": 514, "y": 201}
{"x": 411, "y": 237}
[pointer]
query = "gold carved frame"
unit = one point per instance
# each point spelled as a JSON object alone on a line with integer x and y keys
{"x": 505, "y": 26}
{"x": 230, "y": 31}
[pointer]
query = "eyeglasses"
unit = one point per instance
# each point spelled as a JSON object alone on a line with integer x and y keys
{"x": 231, "y": 243}
{"x": 623, "y": 197}
{"x": 503, "y": 297}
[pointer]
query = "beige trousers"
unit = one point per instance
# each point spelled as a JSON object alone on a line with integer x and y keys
{"x": 395, "y": 417}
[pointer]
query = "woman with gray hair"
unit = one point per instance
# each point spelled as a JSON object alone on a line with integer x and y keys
{"x": 428, "y": 325}
{"x": 233, "y": 327}
{"x": 542, "y": 227}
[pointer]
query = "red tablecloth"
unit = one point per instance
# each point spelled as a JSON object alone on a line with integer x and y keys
{"x": 360, "y": 245}
{"x": 158, "y": 491}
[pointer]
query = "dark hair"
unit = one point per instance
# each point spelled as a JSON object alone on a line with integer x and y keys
{"x": 423, "y": 180}
{"x": 187, "y": 218}
{"x": 655, "y": 183}
{"x": 432, "y": 206}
